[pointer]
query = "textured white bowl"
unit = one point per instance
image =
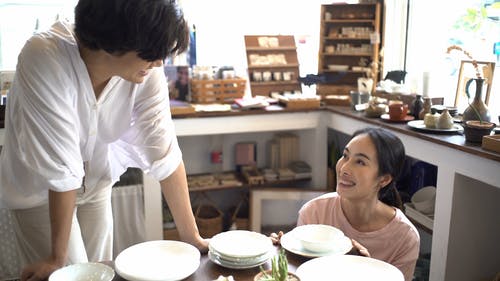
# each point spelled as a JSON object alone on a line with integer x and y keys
{"x": 318, "y": 237}
{"x": 83, "y": 272}
{"x": 424, "y": 200}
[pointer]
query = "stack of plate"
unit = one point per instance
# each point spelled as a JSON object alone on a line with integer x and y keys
{"x": 240, "y": 249}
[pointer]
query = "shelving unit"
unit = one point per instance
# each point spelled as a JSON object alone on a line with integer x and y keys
{"x": 275, "y": 55}
{"x": 350, "y": 36}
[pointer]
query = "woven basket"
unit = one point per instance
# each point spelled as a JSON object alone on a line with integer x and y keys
{"x": 237, "y": 218}
{"x": 209, "y": 220}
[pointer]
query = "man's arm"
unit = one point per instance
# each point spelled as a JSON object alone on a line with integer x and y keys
{"x": 175, "y": 191}
{"x": 61, "y": 208}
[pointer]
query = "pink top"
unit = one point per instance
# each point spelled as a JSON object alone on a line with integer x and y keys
{"x": 396, "y": 243}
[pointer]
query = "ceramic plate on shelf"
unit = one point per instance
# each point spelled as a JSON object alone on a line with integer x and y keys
{"x": 420, "y": 126}
{"x": 158, "y": 260}
{"x": 348, "y": 267}
{"x": 387, "y": 118}
{"x": 290, "y": 242}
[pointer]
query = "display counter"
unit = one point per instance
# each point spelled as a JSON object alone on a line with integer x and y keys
{"x": 465, "y": 228}
{"x": 465, "y": 243}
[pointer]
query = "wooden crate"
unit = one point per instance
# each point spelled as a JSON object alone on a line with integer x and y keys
{"x": 217, "y": 91}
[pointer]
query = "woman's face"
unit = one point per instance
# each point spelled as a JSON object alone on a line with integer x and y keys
{"x": 357, "y": 170}
{"x": 131, "y": 67}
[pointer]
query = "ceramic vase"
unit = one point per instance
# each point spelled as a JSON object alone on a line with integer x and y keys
{"x": 477, "y": 103}
{"x": 416, "y": 106}
{"x": 426, "y": 108}
{"x": 445, "y": 121}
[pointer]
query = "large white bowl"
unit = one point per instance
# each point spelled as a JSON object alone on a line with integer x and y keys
{"x": 424, "y": 200}
{"x": 318, "y": 238}
{"x": 83, "y": 272}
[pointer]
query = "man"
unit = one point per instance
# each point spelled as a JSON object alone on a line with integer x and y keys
{"x": 88, "y": 101}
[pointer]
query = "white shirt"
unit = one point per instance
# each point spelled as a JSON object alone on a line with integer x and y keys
{"x": 54, "y": 124}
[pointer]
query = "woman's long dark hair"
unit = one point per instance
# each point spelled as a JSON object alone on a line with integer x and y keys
{"x": 390, "y": 157}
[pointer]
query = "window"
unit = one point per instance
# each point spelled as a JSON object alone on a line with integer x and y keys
{"x": 435, "y": 25}
{"x": 19, "y": 19}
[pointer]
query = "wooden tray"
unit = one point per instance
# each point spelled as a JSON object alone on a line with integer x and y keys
{"x": 492, "y": 143}
{"x": 217, "y": 91}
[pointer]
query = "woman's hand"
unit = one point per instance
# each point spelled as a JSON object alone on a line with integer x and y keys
{"x": 358, "y": 249}
{"x": 276, "y": 238}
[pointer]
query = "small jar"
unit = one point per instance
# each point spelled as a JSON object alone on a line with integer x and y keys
{"x": 426, "y": 108}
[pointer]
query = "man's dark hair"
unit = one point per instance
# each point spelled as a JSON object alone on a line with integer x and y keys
{"x": 155, "y": 29}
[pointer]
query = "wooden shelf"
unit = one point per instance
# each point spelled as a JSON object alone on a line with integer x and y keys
{"x": 275, "y": 83}
{"x": 344, "y": 21}
{"x": 349, "y": 27}
{"x": 423, "y": 221}
{"x": 271, "y": 49}
{"x": 347, "y": 54}
{"x": 293, "y": 65}
{"x": 245, "y": 185}
{"x": 283, "y": 49}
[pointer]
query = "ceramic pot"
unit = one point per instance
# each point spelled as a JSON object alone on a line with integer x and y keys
{"x": 445, "y": 121}
{"x": 291, "y": 276}
{"x": 474, "y": 130}
{"x": 416, "y": 106}
{"x": 477, "y": 103}
{"x": 426, "y": 108}
{"x": 430, "y": 120}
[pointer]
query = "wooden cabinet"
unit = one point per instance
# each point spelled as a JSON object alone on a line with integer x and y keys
{"x": 350, "y": 36}
{"x": 272, "y": 64}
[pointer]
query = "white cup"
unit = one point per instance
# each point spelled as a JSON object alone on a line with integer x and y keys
{"x": 257, "y": 76}
{"x": 287, "y": 75}
{"x": 267, "y": 76}
{"x": 277, "y": 76}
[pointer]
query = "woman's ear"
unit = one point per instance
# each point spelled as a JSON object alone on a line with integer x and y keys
{"x": 384, "y": 180}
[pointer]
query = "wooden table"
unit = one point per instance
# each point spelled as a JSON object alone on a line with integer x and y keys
{"x": 210, "y": 271}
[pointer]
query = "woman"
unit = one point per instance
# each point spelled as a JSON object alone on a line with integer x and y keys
{"x": 88, "y": 101}
{"x": 366, "y": 205}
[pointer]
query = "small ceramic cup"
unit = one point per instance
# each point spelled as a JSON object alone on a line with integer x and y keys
{"x": 398, "y": 111}
{"x": 257, "y": 76}
{"x": 277, "y": 76}
{"x": 267, "y": 76}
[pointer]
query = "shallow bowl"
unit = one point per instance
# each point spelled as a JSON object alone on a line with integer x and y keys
{"x": 318, "y": 238}
{"x": 424, "y": 199}
{"x": 89, "y": 271}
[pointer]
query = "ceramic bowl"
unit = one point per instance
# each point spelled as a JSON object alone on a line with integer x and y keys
{"x": 424, "y": 200}
{"x": 83, "y": 272}
{"x": 318, "y": 238}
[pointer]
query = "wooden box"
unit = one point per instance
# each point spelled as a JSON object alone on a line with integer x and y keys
{"x": 492, "y": 143}
{"x": 217, "y": 91}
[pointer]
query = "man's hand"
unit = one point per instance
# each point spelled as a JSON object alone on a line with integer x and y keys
{"x": 40, "y": 270}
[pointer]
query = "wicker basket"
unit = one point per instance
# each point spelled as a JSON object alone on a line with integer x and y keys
{"x": 217, "y": 91}
{"x": 237, "y": 218}
{"x": 209, "y": 220}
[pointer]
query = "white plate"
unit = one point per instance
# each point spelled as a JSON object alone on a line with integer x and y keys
{"x": 234, "y": 265}
{"x": 83, "y": 272}
{"x": 348, "y": 267}
{"x": 241, "y": 244}
{"x": 158, "y": 260}
{"x": 292, "y": 244}
{"x": 419, "y": 125}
